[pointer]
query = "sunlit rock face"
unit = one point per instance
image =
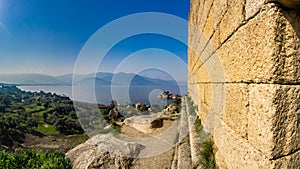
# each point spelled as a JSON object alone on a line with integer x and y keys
{"x": 144, "y": 123}
{"x": 104, "y": 151}
{"x": 257, "y": 44}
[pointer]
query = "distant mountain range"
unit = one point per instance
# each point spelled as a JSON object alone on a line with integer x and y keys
{"x": 100, "y": 78}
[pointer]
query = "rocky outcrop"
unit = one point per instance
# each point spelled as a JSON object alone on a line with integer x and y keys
{"x": 104, "y": 151}
{"x": 171, "y": 109}
{"x": 144, "y": 123}
{"x": 244, "y": 74}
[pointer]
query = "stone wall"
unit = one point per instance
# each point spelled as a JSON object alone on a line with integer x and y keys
{"x": 244, "y": 74}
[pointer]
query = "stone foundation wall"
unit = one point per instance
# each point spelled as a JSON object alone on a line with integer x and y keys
{"x": 244, "y": 74}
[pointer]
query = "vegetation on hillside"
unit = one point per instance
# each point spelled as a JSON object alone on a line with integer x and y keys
{"x": 29, "y": 159}
{"x": 36, "y": 113}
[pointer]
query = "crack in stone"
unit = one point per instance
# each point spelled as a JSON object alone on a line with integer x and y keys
{"x": 208, "y": 42}
{"x": 222, "y": 43}
{"x": 205, "y": 22}
{"x": 285, "y": 155}
{"x": 244, "y": 10}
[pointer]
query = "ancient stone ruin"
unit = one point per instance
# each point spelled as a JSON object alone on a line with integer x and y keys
{"x": 244, "y": 75}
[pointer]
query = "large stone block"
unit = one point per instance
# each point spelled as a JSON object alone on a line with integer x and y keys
{"x": 191, "y": 60}
{"x": 193, "y": 92}
{"x": 288, "y": 162}
{"x": 215, "y": 39}
{"x": 203, "y": 105}
{"x": 207, "y": 6}
{"x": 211, "y": 104}
{"x": 233, "y": 18}
{"x": 236, "y": 152}
{"x": 237, "y": 108}
{"x": 194, "y": 9}
{"x": 288, "y": 47}
{"x": 202, "y": 74}
{"x": 210, "y": 70}
{"x": 248, "y": 55}
{"x": 273, "y": 121}
{"x": 209, "y": 25}
{"x": 270, "y": 55}
{"x": 258, "y": 48}
{"x": 254, "y": 54}
{"x": 219, "y": 8}
{"x": 205, "y": 94}
{"x": 252, "y": 7}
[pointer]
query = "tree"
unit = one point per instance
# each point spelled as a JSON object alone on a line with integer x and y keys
{"x": 47, "y": 105}
{"x": 45, "y": 115}
{"x": 68, "y": 126}
{"x": 32, "y": 122}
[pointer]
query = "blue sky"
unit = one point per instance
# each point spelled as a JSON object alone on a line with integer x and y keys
{"x": 39, "y": 36}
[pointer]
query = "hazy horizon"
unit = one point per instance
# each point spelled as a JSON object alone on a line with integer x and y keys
{"x": 146, "y": 74}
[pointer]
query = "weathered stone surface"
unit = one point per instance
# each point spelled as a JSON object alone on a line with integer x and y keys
{"x": 104, "y": 151}
{"x": 252, "y": 7}
{"x": 210, "y": 71}
{"x": 203, "y": 51}
{"x": 193, "y": 92}
{"x": 219, "y": 8}
{"x": 288, "y": 162}
{"x": 247, "y": 56}
{"x": 237, "y": 108}
{"x": 211, "y": 104}
{"x": 288, "y": 47}
{"x": 205, "y": 101}
{"x": 215, "y": 40}
{"x": 274, "y": 113}
{"x": 194, "y": 8}
{"x": 207, "y": 6}
{"x": 251, "y": 49}
{"x": 220, "y": 161}
{"x": 184, "y": 155}
{"x": 232, "y": 19}
{"x": 202, "y": 74}
{"x": 254, "y": 54}
{"x": 236, "y": 152}
{"x": 144, "y": 123}
{"x": 209, "y": 25}
{"x": 190, "y": 61}
{"x": 194, "y": 141}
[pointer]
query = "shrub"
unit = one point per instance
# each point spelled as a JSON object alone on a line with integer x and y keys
{"x": 198, "y": 124}
{"x": 207, "y": 154}
{"x": 35, "y": 160}
{"x": 117, "y": 128}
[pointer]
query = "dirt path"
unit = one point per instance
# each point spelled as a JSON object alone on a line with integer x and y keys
{"x": 161, "y": 161}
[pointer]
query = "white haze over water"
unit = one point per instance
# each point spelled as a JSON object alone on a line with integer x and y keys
{"x": 145, "y": 94}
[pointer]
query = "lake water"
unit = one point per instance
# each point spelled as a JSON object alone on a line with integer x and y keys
{"x": 104, "y": 94}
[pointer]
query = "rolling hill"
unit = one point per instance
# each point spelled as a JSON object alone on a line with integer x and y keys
{"x": 100, "y": 78}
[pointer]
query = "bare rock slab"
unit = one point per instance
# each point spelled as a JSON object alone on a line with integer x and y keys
{"x": 144, "y": 123}
{"x": 104, "y": 151}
